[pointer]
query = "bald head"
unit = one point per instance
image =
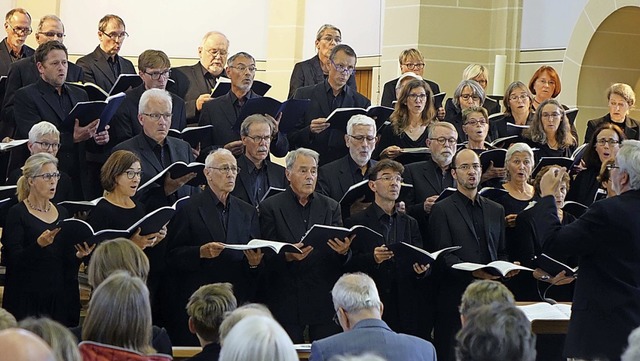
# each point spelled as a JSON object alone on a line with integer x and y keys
{"x": 21, "y": 345}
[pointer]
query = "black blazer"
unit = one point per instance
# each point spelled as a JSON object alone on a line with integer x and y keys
{"x": 5, "y": 58}
{"x": 631, "y": 131}
{"x": 194, "y": 225}
{"x": 389, "y": 91}
{"x": 220, "y": 113}
{"x": 334, "y": 179}
{"x": 330, "y": 143}
{"x": 275, "y": 175}
{"x": 606, "y": 302}
{"x": 189, "y": 83}
{"x": 427, "y": 181}
{"x": 498, "y": 126}
{"x": 97, "y": 70}
{"x": 153, "y": 197}
{"x": 309, "y": 72}
{"x": 125, "y": 124}
{"x": 299, "y": 292}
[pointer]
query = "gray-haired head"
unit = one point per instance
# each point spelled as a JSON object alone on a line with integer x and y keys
{"x": 153, "y": 94}
{"x": 628, "y": 159}
{"x": 41, "y": 129}
{"x": 293, "y": 155}
{"x": 355, "y": 292}
{"x": 475, "y": 88}
{"x": 209, "y": 160}
{"x": 360, "y": 119}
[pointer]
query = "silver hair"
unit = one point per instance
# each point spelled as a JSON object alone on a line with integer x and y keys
{"x": 212, "y": 33}
{"x": 435, "y": 125}
{"x": 233, "y": 57}
{"x": 632, "y": 353}
{"x": 41, "y": 129}
{"x": 253, "y": 119}
{"x": 293, "y": 155}
{"x": 520, "y": 148}
{"x": 354, "y": 292}
{"x": 628, "y": 159}
{"x": 475, "y": 88}
{"x": 222, "y": 151}
{"x": 154, "y": 93}
{"x": 326, "y": 27}
{"x": 269, "y": 341}
{"x": 360, "y": 119}
{"x": 47, "y": 18}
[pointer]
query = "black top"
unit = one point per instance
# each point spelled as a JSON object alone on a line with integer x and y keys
{"x": 107, "y": 215}
{"x": 209, "y": 352}
{"x": 388, "y": 138}
{"x": 584, "y": 187}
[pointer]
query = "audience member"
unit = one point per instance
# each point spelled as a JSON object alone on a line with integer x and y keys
{"x": 103, "y": 66}
{"x": 269, "y": 342}
{"x": 196, "y": 251}
{"x": 22, "y": 345}
{"x": 632, "y": 352}
{"x": 7, "y": 320}
{"x": 256, "y": 173}
{"x": 499, "y": 331}
{"x": 59, "y": 338}
{"x": 313, "y": 130}
{"x": 315, "y": 70}
{"x": 233, "y": 317}
{"x": 206, "y": 308}
{"x": 483, "y": 292}
{"x": 194, "y": 83}
{"x": 359, "y": 311}
{"x": 224, "y": 111}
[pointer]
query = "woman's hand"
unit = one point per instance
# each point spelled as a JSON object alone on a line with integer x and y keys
{"x": 47, "y": 237}
{"x": 391, "y": 152}
{"x": 83, "y": 250}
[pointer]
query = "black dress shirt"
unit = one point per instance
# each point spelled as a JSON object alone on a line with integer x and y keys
{"x": 474, "y": 209}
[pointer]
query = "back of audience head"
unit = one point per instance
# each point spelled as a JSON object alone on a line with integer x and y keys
{"x": 628, "y": 160}
{"x": 44, "y": 137}
{"x": 119, "y": 314}
{"x": 58, "y": 337}
{"x": 483, "y": 292}
{"x": 22, "y": 345}
{"x": 355, "y": 297}
{"x": 7, "y": 320}
{"x": 244, "y": 311}
{"x": 118, "y": 254}
{"x": 496, "y": 332}
{"x": 632, "y": 353}
{"x": 258, "y": 338}
{"x": 207, "y": 307}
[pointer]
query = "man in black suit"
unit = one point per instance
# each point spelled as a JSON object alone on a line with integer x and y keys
{"x": 223, "y": 111}
{"x": 196, "y": 241}
{"x": 24, "y": 71}
{"x": 606, "y": 300}
{"x": 474, "y": 223}
{"x": 299, "y": 284}
{"x": 257, "y": 173}
{"x": 154, "y": 69}
{"x": 17, "y": 24}
{"x": 194, "y": 83}
{"x": 157, "y": 151}
{"x": 312, "y": 130}
{"x": 411, "y": 60}
{"x": 430, "y": 177}
{"x": 402, "y": 288}
{"x": 103, "y": 66}
{"x": 335, "y": 178}
{"x": 50, "y": 99}
{"x": 315, "y": 70}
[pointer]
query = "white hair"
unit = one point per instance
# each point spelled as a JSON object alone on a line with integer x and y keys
{"x": 360, "y": 119}
{"x": 628, "y": 159}
{"x": 293, "y": 155}
{"x": 258, "y": 338}
{"x": 222, "y": 151}
{"x": 41, "y": 129}
{"x": 354, "y": 292}
{"x": 519, "y": 148}
{"x": 407, "y": 75}
{"x": 632, "y": 353}
{"x": 153, "y": 93}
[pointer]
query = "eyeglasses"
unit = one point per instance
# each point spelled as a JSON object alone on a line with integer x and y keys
{"x": 546, "y": 82}
{"x": 48, "y": 146}
{"x": 258, "y": 139}
{"x": 216, "y": 52}
{"x": 226, "y": 169}
{"x": 521, "y": 97}
{"x": 52, "y": 34}
{"x": 443, "y": 140}
{"x": 48, "y": 176}
{"x": 472, "y": 121}
{"x": 362, "y": 138}
{"x": 416, "y": 97}
{"x": 116, "y": 36}
{"x": 343, "y": 68}
{"x": 20, "y": 31}
{"x": 612, "y": 166}
{"x": 611, "y": 142}
{"x": 414, "y": 66}
{"x": 391, "y": 178}
{"x": 336, "y": 319}
{"x": 329, "y": 39}
{"x": 551, "y": 115}
{"x": 242, "y": 68}
{"x": 465, "y": 167}
{"x": 133, "y": 173}
{"x": 156, "y": 75}
{"x": 467, "y": 96}
{"x": 157, "y": 116}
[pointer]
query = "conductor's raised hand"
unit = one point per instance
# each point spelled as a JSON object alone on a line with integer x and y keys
{"x": 551, "y": 181}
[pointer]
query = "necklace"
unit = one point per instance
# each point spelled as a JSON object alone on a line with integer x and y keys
{"x": 47, "y": 209}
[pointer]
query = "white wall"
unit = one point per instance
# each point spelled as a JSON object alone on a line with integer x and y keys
{"x": 548, "y": 24}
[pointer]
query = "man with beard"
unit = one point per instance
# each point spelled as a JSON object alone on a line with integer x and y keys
{"x": 256, "y": 172}
{"x": 335, "y": 178}
{"x": 223, "y": 112}
{"x": 474, "y": 223}
{"x": 429, "y": 178}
